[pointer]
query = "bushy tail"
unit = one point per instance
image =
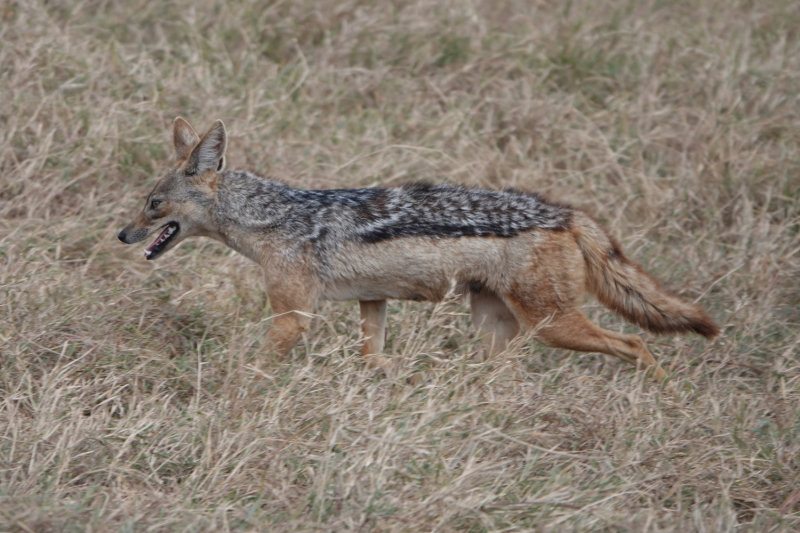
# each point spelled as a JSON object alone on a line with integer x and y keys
{"x": 624, "y": 287}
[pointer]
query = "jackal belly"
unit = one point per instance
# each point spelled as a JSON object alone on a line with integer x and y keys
{"x": 416, "y": 268}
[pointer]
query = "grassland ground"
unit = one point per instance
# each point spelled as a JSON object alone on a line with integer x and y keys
{"x": 135, "y": 396}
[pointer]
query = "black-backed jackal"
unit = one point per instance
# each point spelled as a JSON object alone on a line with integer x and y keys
{"x": 524, "y": 262}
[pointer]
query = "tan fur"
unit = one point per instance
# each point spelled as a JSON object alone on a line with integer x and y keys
{"x": 534, "y": 281}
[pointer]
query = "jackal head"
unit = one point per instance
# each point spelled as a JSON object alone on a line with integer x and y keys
{"x": 181, "y": 203}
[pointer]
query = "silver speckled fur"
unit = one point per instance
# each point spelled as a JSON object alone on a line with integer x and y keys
{"x": 325, "y": 219}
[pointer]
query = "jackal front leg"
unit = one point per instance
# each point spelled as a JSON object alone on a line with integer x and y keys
{"x": 287, "y": 329}
{"x": 292, "y": 305}
{"x": 373, "y": 328}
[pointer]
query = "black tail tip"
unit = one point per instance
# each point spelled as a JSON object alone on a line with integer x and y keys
{"x": 705, "y": 327}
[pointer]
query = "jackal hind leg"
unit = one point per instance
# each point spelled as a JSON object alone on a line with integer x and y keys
{"x": 373, "y": 329}
{"x": 569, "y": 329}
{"x": 495, "y": 322}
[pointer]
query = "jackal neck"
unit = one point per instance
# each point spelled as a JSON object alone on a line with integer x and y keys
{"x": 246, "y": 207}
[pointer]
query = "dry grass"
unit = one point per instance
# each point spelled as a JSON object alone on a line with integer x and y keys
{"x": 131, "y": 399}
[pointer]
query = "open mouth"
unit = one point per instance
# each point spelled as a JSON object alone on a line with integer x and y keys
{"x": 158, "y": 246}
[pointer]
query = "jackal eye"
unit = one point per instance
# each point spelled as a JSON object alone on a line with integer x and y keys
{"x": 154, "y": 204}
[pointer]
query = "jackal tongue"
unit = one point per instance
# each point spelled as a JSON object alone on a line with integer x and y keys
{"x": 161, "y": 238}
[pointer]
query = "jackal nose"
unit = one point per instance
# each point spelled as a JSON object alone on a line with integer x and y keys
{"x": 121, "y": 235}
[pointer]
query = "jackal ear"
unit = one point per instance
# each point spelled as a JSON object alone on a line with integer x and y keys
{"x": 209, "y": 154}
{"x": 184, "y": 138}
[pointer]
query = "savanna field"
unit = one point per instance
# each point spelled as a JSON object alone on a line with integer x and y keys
{"x": 136, "y": 396}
